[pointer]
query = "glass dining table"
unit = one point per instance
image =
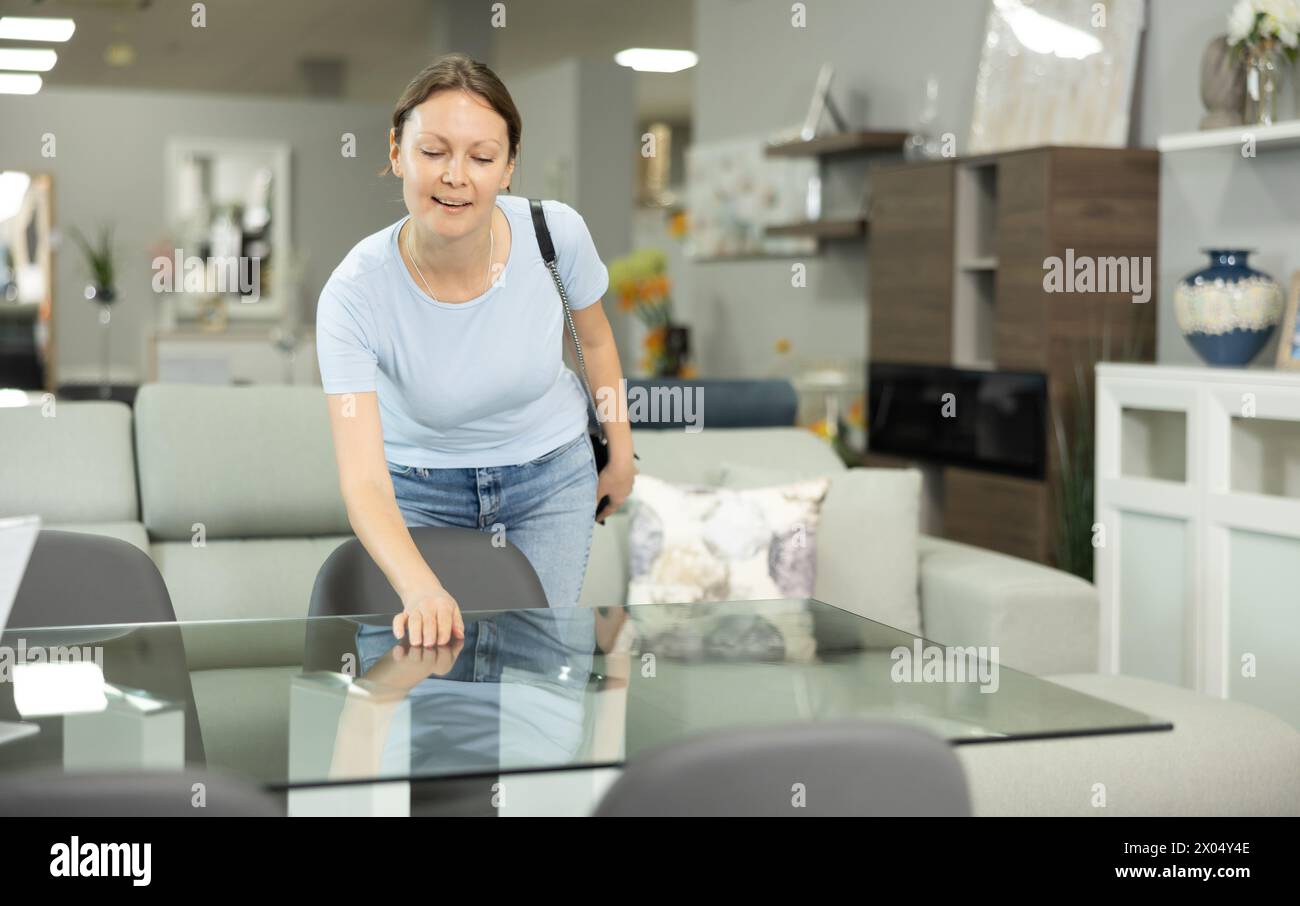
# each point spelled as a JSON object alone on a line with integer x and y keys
{"x": 534, "y": 711}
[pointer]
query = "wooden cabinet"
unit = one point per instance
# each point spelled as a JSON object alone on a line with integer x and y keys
{"x": 958, "y": 255}
{"x": 911, "y": 255}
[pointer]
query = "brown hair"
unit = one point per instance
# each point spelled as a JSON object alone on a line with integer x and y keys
{"x": 458, "y": 71}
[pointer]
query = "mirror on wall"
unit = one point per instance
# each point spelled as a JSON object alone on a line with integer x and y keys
{"x": 227, "y": 207}
{"x": 26, "y": 280}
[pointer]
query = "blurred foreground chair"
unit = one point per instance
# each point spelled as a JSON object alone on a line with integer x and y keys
{"x": 134, "y": 794}
{"x": 835, "y": 769}
{"x": 81, "y": 589}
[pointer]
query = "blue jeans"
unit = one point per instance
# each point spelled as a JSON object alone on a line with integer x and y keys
{"x": 546, "y": 508}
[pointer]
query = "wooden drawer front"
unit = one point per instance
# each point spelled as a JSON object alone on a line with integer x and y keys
{"x": 911, "y": 265}
{"x": 1020, "y": 331}
{"x": 997, "y": 512}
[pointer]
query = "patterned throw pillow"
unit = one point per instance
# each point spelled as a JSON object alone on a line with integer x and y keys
{"x": 692, "y": 544}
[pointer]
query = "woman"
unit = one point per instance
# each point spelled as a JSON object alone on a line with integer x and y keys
{"x": 439, "y": 340}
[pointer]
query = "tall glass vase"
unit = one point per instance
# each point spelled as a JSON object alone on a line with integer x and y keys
{"x": 105, "y": 323}
{"x": 103, "y": 297}
{"x": 1263, "y": 81}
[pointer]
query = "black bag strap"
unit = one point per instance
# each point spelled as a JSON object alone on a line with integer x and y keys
{"x": 548, "y": 256}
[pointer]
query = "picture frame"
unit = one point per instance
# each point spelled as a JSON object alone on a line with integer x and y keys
{"x": 1049, "y": 75}
{"x": 822, "y": 104}
{"x": 1288, "y": 340}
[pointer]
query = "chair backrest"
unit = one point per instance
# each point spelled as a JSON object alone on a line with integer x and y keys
{"x": 480, "y": 574}
{"x": 132, "y": 794}
{"x": 79, "y": 579}
{"x": 481, "y": 571}
{"x": 864, "y": 768}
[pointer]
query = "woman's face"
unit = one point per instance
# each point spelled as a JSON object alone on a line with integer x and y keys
{"x": 454, "y": 148}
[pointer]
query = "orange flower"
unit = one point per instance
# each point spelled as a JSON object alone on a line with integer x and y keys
{"x": 654, "y": 340}
{"x": 688, "y": 371}
{"x": 626, "y": 302}
{"x": 678, "y": 225}
{"x": 855, "y": 412}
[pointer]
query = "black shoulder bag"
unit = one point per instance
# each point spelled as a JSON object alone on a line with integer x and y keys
{"x": 595, "y": 430}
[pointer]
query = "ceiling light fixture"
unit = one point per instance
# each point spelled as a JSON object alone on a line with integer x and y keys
{"x": 19, "y": 83}
{"x": 23, "y": 28}
{"x": 652, "y": 59}
{"x": 25, "y": 60}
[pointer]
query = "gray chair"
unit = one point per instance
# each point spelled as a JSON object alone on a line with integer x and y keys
{"x": 143, "y": 794}
{"x": 479, "y": 575}
{"x": 79, "y": 579}
{"x": 869, "y": 768}
{"x": 76, "y": 579}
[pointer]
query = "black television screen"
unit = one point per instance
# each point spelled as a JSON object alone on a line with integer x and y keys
{"x": 992, "y": 420}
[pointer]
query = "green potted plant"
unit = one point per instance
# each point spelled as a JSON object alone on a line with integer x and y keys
{"x": 102, "y": 290}
{"x": 1074, "y": 426}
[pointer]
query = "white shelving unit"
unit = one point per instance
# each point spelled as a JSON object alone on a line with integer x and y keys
{"x": 1279, "y": 135}
{"x": 1198, "y": 493}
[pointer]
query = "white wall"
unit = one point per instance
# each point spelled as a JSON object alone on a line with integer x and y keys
{"x": 579, "y": 144}
{"x": 108, "y": 169}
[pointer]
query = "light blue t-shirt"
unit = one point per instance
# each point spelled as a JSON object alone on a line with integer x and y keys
{"x": 466, "y": 384}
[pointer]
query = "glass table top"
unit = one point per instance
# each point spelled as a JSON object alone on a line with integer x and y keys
{"x": 334, "y": 700}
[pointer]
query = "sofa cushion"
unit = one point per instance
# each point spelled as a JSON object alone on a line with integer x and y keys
{"x": 1222, "y": 758}
{"x": 1043, "y": 620}
{"x": 68, "y": 462}
{"x": 692, "y": 543}
{"x": 605, "y": 584}
{"x": 867, "y": 538}
{"x": 693, "y": 458}
{"x": 238, "y": 580}
{"x": 243, "y": 462}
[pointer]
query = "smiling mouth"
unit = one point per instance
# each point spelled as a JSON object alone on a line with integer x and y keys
{"x": 453, "y": 206}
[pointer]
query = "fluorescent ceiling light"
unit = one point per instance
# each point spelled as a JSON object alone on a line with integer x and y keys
{"x": 1043, "y": 34}
{"x": 19, "y": 83}
{"x": 650, "y": 59}
{"x": 27, "y": 60}
{"x": 21, "y": 28}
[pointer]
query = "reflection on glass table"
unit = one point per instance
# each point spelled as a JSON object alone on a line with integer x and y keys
{"x": 312, "y": 703}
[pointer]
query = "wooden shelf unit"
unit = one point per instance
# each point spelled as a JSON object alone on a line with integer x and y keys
{"x": 840, "y": 143}
{"x": 822, "y": 229}
{"x": 837, "y": 146}
{"x": 957, "y": 258}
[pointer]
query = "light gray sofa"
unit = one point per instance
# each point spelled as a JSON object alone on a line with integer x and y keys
{"x": 233, "y": 492}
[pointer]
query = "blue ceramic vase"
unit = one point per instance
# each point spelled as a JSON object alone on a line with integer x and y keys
{"x": 1228, "y": 310}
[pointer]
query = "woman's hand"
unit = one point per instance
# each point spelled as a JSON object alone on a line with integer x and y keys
{"x": 615, "y": 480}
{"x": 430, "y": 616}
